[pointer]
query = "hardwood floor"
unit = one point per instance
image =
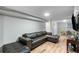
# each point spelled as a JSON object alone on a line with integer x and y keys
{"x": 49, "y": 47}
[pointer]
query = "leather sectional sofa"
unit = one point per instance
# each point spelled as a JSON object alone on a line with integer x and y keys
{"x": 32, "y": 40}
{"x": 27, "y": 42}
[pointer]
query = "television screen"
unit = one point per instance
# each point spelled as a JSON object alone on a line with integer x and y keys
{"x": 78, "y": 22}
{"x": 74, "y": 24}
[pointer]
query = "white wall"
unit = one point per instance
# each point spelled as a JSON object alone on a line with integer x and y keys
{"x": 15, "y": 27}
{"x": 61, "y": 26}
{"x": 57, "y": 26}
{"x": 54, "y": 28}
{"x": 1, "y": 30}
{"x": 48, "y": 29}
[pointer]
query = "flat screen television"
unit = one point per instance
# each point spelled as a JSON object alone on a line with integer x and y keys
{"x": 78, "y": 22}
{"x": 74, "y": 24}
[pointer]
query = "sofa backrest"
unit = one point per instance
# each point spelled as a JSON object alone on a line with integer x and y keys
{"x": 22, "y": 40}
{"x": 32, "y": 35}
{"x": 35, "y": 34}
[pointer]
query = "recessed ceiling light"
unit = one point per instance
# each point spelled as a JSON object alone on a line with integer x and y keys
{"x": 64, "y": 20}
{"x": 46, "y": 14}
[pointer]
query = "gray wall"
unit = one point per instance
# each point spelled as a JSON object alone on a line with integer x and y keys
{"x": 15, "y": 27}
{"x": 1, "y": 30}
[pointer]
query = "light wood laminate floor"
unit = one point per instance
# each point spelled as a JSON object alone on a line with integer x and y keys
{"x": 49, "y": 47}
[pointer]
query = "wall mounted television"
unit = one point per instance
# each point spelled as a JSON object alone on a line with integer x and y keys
{"x": 75, "y": 22}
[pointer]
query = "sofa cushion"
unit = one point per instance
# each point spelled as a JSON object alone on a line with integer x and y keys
{"x": 43, "y": 32}
{"x": 32, "y": 35}
{"x": 39, "y": 34}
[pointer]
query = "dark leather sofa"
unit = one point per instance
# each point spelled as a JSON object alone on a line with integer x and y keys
{"x": 15, "y": 47}
{"x": 27, "y": 42}
{"x": 34, "y": 39}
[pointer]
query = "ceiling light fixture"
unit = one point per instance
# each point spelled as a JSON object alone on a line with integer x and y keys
{"x": 64, "y": 20}
{"x": 46, "y": 14}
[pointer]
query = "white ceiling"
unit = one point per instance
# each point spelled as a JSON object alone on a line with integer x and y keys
{"x": 56, "y": 12}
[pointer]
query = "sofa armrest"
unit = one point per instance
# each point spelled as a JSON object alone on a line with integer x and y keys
{"x": 25, "y": 41}
{"x": 29, "y": 42}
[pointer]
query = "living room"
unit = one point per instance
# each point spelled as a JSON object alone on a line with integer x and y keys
{"x": 42, "y": 29}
